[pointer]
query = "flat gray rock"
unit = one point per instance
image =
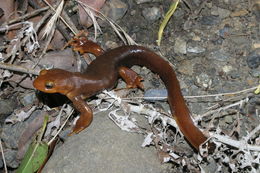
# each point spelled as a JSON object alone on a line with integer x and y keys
{"x": 102, "y": 148}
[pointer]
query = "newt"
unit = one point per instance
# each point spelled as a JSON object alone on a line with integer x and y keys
{"x": 104, "y": 72}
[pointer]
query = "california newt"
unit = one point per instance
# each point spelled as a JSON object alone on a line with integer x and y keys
{"x": 104, "y": 72}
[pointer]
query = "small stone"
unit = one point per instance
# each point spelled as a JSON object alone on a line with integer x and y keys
{"x": 27, "y": 98}
{"x": 227, "y": 68}
{"x": 203, "y": 80}
{"x": 111, "y": 44}
{"x": 228, "y": 119}
{"x": 253, "y": 59}
{"x": 142, "y": 1}
{"x": 195, "y": 49}
{"x": 219, "y": 55}
{"x": 239, "y": 13}
{"x": 155, "y": 94}
{"x": 7, "y": 106}
{"x": 186, "y": 67}
{"x": 196, "y": 38}
{"x": 225, "y": 31}
{"x": 10, "y": 156}
{"x": 223, "y": 13}
{"x": 115, "y": 9}
{"x": 209, "y": 20}
{"x": 152, "y": 14}
{"x": 255, "y": 73}
{"x": 180, "y": 46}
{"x": 256, "y": 45}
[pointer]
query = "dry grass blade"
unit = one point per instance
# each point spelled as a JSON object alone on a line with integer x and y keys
{"x": 51, "y": 24}
{"x": 92, "y": 15}
{"x": 119, "y": 30}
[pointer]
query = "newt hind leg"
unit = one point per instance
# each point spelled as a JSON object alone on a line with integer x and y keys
{"x": 131, "y": 78}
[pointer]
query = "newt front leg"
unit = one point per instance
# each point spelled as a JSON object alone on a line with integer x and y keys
{"x": 86, "y": 114}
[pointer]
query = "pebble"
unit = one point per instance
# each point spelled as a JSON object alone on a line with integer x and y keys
{"x": 180, "y": 46}
{"x": 27, "y": 98}
{"x": 7, "y": 107}
{"x": 152, "y": 14}
{"x": 228, "y": 119}
{"x": 225, "y": 31}
{"x": 155, "y": 94}
{"x": 227, "y": 68}
{"x": 209, "y": 20}
{"x": 204, "y": 80}
{"x": 239, "y": 13}
{"x": 10, "y": 158}
{"x": 115, "y": 9}
{"x": 142, "y": 1}
{"x": 186, "y": 67}
{"x": 222, "y": 13}
{"x": 253, "y": 59}
{"x": 219, "y": 55}
{"x": 255, "y": 73}
{"x": 195, "y": 49}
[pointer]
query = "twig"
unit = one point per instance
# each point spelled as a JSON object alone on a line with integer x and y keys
{"x": 26, "y": 16}
{"x": 5, "y": 28}
{"x": 252, "y": 133}
{"x": 18, "y": 68}
{"x": 3, "y": 156}
{"x": 242, "y": 144}
{"x": 224, "y": 94}
{"x": 199, "y": 96}
{"x": 221, "y": 109}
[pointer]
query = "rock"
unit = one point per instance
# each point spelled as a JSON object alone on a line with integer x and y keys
{"x": 255, "y": 72}
{"x": 155, "y": 94}
{"x": 253, "y": 59}
{"x": 142, "y": 1}
{"x": 220, "y": 55}
{"x": 10, "y": 158}
{"x": 27, "y": 98}
{"x": 186, "y": 67}
{"x": 152, "y": 14}
{"x": 7, "y": 107}
{"x": 203, "y": 80}
{"x": 114, "y": 9}
{"x": 195, "y": 49}
{"x": 10, "y": 136}
{"x": 180, "y": 46}
{"x": 225, "y": 31}
{"x": 222, "y": 13}
{"x": 239, "y": 13}
{"x": 209, "y": 20}
{"x": 103, "y": 147}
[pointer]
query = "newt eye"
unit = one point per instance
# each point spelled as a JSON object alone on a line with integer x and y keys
{"x": 49, "y": 85}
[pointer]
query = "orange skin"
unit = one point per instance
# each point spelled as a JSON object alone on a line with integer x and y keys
{"x": 104, "y": 72}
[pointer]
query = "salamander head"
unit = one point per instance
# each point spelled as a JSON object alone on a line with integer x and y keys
{"x": 54, "y": 81}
